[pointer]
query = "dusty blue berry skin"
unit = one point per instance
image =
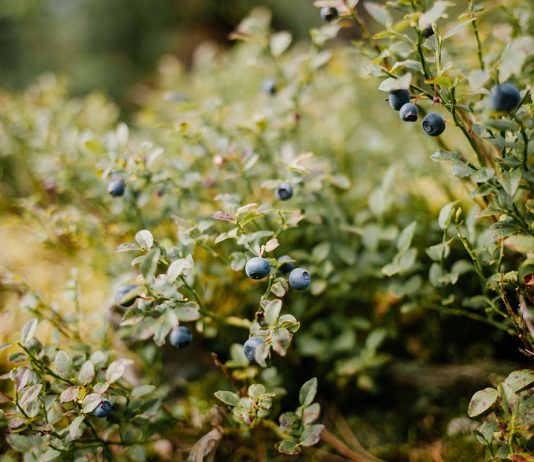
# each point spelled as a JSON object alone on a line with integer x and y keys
{"x": 398, "y": 98}
{"x": 257, "y": 268}
{"x": 269, "y": 86}
{"x": 504, "y": 97}
{"x": 284, "y": 192}
{"x": 433, "y": 124}
{"x": 328, "y": 13}
{"x": 285, "y": 264}
{"x": 427, "y": 32}
{"x": 299, "y": 279}
{"x": 122, "y": 292}
{"x": 116, "y": 187}
{"x": 409, "y": 112}
{"x": 180, "y": 337}
{"x": 103, "y": 409}
{"x": 250, "y": 348}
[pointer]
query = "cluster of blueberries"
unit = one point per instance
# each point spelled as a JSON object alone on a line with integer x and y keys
{"x": 181, "y": 336}
{"x": 503, "y": 98}
{"x": 433, "y": 123}
{"x": 259, "y": 268}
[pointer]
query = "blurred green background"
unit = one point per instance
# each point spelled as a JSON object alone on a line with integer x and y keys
{"x": 112, "y": 44}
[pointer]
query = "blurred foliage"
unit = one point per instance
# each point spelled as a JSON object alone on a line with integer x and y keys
{"x": 398, "y": 346}
{"x": 113, "y": 45}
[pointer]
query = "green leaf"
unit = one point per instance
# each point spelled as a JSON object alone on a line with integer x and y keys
{"x": 90, "y": 402}
{"x": 150, "y": 264}
{"x": 187, "y": 313}
{"x": 75, "y": 430}
{"x": 502, "y": 124}
{"x": 483, "y": 174}
{"x": 281, "y": 338}
{"x": 481, "y": 401}
{"x": 461, "y": 169}
{"x": 69, "y": 394}
{"x": 405, "y": 238}
{"x": 514, "y": 56}
{"x": 379, "y": 13}
{"x": 439, "y": 251}
{"x": 256, "y": 390}
{"x": 142, "y": 390}
{"x": 19, "y": 443}
{"x": 63, "y": 364}
{"x": 510, "y": 181}
{"x": 116, "y": 369}
{"x": 177, "y": 267}
{"x": 401, "y": 83}
{"x": 311, "y": 435}
{"x": 445, "y": 215}
{"x": 144, "y": 239}
{"x": 280, "y": 42}
{"x": 28, "y": 331}
{"x": 446, "y": 156}
{"x": 127, "y": 247}
{"x": 289, "y": 447}
{"x": 454, "y": 30}
{"x": 87, "y": 373}
{"x": 434, "y": 13}
{"x": 272, "y": 310}
{"x": 518, "y": 380}
{"x": 375, "y": 338}
{"x": 308, "y": 391}
{"x": 30, "y": 395}
{"x": 311, "y": 413}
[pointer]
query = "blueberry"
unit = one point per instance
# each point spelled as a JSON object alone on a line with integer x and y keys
{"x": 250, "y": 347}
{"x": 285, "y": 264}
{"x": 427, "y": 32}
{"x": 125, "y": 295}
{"x": 398, "y": 98}
{"x": 257, "y": 268}
{"x": 284, "y": 191}
{"x": 269, "y": 86}
{"x": 180, "y": 337}
{"x": 408, "y": 112}
{"x": 328, "y": 13}
{"x": 433, "y": 124}
{"x": 116, "y": 187}
{"x": 299, "y": 279}
{"x": 103, "y": 409}
{"x": 504, "y": 97}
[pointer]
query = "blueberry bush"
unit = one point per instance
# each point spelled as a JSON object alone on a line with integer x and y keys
{"x": 275, "y": 259}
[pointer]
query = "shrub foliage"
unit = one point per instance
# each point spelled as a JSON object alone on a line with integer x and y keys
{"x": 279, "y": 150}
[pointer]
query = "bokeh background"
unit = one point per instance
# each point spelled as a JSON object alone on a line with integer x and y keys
{"x": 111, "y": 45}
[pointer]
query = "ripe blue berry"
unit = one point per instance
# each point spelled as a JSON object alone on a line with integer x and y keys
{"x": 250, "y": 347}
{"x": 125, "y": 295}
{"x": 103, "y": 409}
{"x": 328, "y": 13}
{"x": 299, "y": 279}
{"x": 257, "y": 268}
{"x": 116, "y": 187}
{"x": 285, "y": 264}
{"x": 409, "y": 112}
{"x": 504, "y": 97}
{"x": 398, "y": 98}
{"x": 269, "y": 86}
{"x": 433, "y": 124}
{"x": 180, "y": 337}
{"x": 284, "y": 191}
{"x": 427, "y": 32}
